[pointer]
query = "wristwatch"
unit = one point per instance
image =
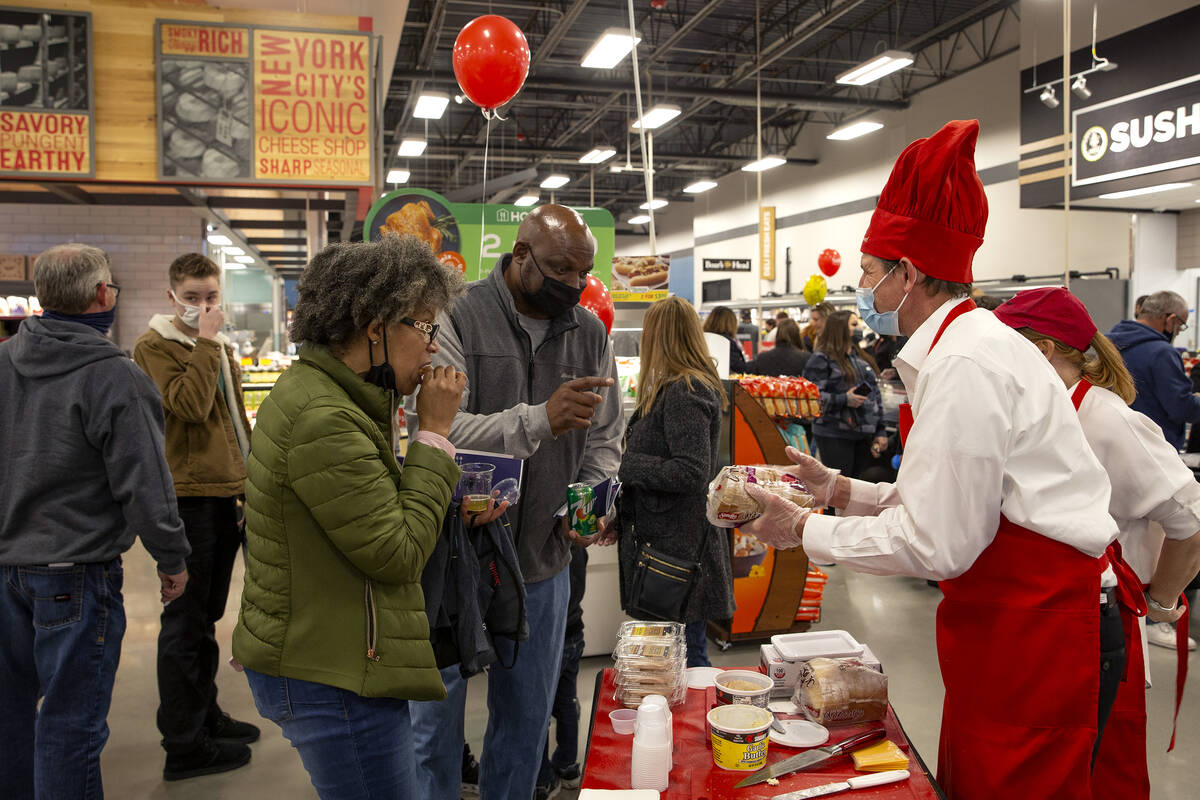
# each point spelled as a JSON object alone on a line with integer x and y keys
{"x": 1159, "y": 607}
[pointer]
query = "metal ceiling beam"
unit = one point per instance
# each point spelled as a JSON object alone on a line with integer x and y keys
{"x": 268, "y": 224}
{"x": 683, "y": 31}
{"x": 556, "y": 34}
{"x": 721, "y": 93}
{"x": 68, "y": 192}
{"x": 535, "y": 152}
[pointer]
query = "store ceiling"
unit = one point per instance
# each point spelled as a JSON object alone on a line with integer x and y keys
{"x": 698, "y": 54}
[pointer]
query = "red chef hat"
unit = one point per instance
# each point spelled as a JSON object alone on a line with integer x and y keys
{"x": 1052, "y": 312}
{"x": 933, "y": 209}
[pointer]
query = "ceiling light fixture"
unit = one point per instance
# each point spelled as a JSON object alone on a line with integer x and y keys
{"x": 765, "y": 163}
{"x": 597, "y": 155}
{"x": 219, "y": 239}
{"x": 411, "y": 148}
{"x": 699, "y": 186}
{"x": 398, "y": 176}
{"x": 245, "y": 259}
{"x": 657, "y": 117}
{"x": 1049, "y": 97}
{"x": 234, "y": 251}
{"x": 431, "y": 105}
{"x": 526, "y": 200}
{"x": 1162, "y": 187}
{"x": 854, "y": 130}
{"x": 870, "y": 71}
{"x": 610, "y": 49}
{"x": 555, "y": 181}
{"x": 1080, "y": 88}
{"x": 640, "y": 219}
{"x": 653, "y": 205}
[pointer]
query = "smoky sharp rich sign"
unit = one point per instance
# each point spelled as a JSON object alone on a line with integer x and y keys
{"x": 1147, "y": 131}
{"x": 727, "y": 265}
{"x": 46, "y": 94}
{"x": 248, "y": 104}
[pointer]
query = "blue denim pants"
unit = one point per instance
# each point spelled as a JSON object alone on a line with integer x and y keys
{"x": 353, "y": 747}
{"x": 519, "y": 701}
{"x": 60, "y": 641}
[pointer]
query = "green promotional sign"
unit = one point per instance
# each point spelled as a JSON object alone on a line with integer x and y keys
{"x": 455, "y": 230}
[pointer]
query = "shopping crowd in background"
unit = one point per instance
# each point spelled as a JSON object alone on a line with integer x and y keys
{"x": 333, "y": 633}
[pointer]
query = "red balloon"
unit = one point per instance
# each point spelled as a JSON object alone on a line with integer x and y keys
{"x": 491, "y": 60}
{"x": 830, "y": 261}
{"x": 596, "y": 299}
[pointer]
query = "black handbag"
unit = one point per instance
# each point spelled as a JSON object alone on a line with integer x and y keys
{"x": 663, "y": 584}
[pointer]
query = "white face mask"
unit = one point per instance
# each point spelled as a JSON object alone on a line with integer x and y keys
{"x": 190, "y": 315}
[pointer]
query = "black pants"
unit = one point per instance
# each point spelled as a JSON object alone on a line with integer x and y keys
{"x": 851, "y": 456}
{"x": 1112, "y": 662}
{"x": 188, "y": 655}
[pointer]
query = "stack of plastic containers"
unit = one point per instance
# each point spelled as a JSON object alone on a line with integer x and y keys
{"x": 651, "y": 659}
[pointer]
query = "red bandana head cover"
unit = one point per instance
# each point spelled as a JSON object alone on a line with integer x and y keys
{"x": 933, "y": 209}
{"x": 1052, "y": 312}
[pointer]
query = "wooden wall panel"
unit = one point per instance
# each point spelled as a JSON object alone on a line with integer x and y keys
{"x": 123, "y": 66}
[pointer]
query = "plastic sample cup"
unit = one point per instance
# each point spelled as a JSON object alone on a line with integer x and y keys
{"x": 475, "y": 486}
{"x": 739, "y": 736}
{"x": 623, "y": 720}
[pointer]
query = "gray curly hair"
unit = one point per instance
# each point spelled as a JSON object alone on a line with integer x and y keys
{"x": 349, "y": 285}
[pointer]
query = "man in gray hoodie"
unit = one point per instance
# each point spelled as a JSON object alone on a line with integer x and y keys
{"x": 84, "y": 472}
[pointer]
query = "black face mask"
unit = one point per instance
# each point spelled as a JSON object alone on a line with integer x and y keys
{"x": 381, "y": 375}
{"x": 553, "y": 297}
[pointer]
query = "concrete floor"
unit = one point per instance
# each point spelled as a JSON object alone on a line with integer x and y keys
{"x": 893, "y": 615}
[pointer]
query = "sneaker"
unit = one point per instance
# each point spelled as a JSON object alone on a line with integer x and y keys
{"x": 207, "y": 758}
{"x": 470, "y": 770}
{"x": 570, "y": 777}
{"x": 544, "y": 791}
{"x": 228, "y": 730}
{"x": 1163, "y": 635}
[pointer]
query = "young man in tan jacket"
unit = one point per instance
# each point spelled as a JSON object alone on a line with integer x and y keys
{"x": 207, "y": 443}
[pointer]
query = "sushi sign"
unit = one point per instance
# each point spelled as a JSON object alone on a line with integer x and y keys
{"x": 249, "y": 104}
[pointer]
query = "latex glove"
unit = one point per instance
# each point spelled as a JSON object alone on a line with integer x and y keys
{"x": 782, "y": 522}
{"x": 820, "y": 479}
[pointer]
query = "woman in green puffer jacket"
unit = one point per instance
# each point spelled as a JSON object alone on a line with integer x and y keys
{"x": 332, "y": 631}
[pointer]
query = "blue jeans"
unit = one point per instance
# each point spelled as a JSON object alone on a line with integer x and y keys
{"x": 60, "y": 641}
{"x": 696, "y": 635}
{"x": 353, "y": 747}
{"x": 566, "y": 714}
{"x": 519, "y": 701}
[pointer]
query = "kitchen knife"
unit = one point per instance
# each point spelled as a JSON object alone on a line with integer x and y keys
{"x": 811, "y": 758}
{"x": 857, "y": 782}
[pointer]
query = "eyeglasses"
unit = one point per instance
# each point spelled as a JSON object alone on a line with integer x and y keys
{"x": 116, "y": 289}
{"x": 1183, "y": 325}
{"x": 428, "y": 329}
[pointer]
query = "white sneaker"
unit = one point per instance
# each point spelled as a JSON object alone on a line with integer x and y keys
{"x": 1163, "y": 635}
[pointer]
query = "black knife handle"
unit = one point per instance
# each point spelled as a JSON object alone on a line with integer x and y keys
{"x": 855, "y": 742}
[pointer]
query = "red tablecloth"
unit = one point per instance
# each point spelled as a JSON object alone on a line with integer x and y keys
{"x": 695, "y": 775}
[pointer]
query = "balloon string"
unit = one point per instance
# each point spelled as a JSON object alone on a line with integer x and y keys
{"x": 487, "y": 136}
{"x": 490, "y": 114}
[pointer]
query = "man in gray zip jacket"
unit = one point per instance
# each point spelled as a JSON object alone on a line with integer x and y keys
{"x": 84, "y": 473}
{"x": 541, "y": 386}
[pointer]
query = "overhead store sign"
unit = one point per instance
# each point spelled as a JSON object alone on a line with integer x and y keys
{"x": 766, "y": 242}
{"x": 455, "y": 233}
{"x": 1148, "y": 131}
{"x": 46, "y": 94}
{"x": 727, "y": 265}
{"x": 247, "y": 104}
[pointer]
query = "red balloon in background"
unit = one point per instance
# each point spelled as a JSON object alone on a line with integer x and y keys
{"x": 491, "y": 60}
{"x": 830, "y": 261}
{"x": 596, "y": 299}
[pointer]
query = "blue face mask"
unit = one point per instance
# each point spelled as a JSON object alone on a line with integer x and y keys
{"x": 885, "y": 323}
{"x": 102, "y": 321}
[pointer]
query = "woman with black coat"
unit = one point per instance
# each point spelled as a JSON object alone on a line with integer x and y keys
{"x": 670, "y": 458}
{"x": 787, "y": 357}
{"x": 850, "y": 430}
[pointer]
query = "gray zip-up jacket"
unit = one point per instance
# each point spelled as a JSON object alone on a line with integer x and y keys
{"x": 504, "y": 407}
{"x": 83, "y": 469}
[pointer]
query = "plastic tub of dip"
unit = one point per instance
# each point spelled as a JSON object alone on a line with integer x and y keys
{"x": 743, "y": 687}
{"x": 739, "y": 736}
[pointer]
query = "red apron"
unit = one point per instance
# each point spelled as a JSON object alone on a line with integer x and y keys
{"x": 1019, "y": 647}
{"x": 1121, "y": 772}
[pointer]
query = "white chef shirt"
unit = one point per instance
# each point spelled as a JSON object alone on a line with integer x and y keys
{"x": 994, "y": 432}
{"x": 1149, "y": 479}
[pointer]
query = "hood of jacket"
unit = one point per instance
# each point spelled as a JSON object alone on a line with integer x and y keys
{"x": 52, "y": 347}
{"x": 1128, "y": 333}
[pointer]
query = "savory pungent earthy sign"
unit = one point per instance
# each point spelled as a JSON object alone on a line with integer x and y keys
{"x": 247, "y": 104}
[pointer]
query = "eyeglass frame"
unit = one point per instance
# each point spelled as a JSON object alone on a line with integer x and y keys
{"x": 429, "y": 329}
{"x": 110, "y": 285}
{"x": 1183, "y": 322}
